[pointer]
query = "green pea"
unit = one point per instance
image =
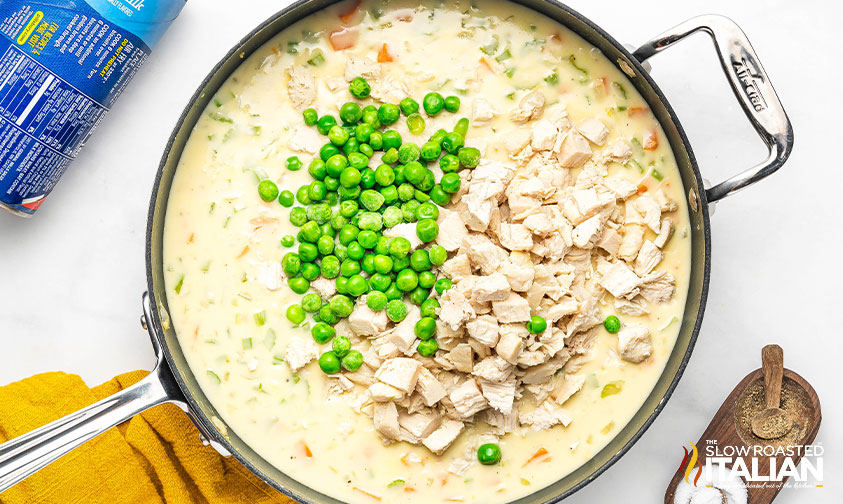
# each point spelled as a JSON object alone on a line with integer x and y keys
{"x": 612, "y": 324}
{"x": 376, "y": 140}
{"x": 341, "y": 305}
{"x": 438, "y": 255}
{"x": 352, "y": 361}
{"x": 390, "y": 156}
{"x": 390, "y": 194}
{"x": 329, "y": 363}
{"x": 308, "y": 252}
{"x": 268, "y": 190}
{"x": 371, "y": 221}
{"x": 363, "y": 132}
{"x": 422, "y": 196}
{"x": 295, "y": 314}
{"x": 379, "y": 282}
{"x": 462, "y": 127}
{"x": 428, "y": 347}
{"x": 288, "y": 240}
{"x": 438, "y": 136}
{"x": 367, "y": 264}
{"x": 536, "y": 325}
{"x": 351, "y": 146}
{"x": 359, "y": 88}
{"x": 311, "y": 302}
{"x": 317, "y": 191}
{"x": 348, "y": 208}
{"x": 425, "y": 328}
{"x": 469, "y": 157}
{"x": 433, "y": 103}
{"x": 489, "y": 454}
{"x": 342, "y": 285}
{"x": 385, "y": 175}
{"x": 367, "y": 150}
{"x": 291, "y": 264}
{"x": 415, "y": 123}
{"x": 430, "y": 151}
{"x": 349, "y": 267}
{"x": 341, "y": 252}
{"x": 367, "y": 179}
{"x": 452, "y": 104}
{"x": 325, "y": 123}
{"x": 376, "y": 300}
{"x": 357, "y": 285}
{"x": 409, "y": 106}
{"x": 310, "y": 116}
{"x": 371, "y": 199}
{"x": 408, "y": 210}
{"x": 350, "y": 113}
{"x": 393, "y": 293}
{"x": 453, "y": 142}
{"x": 399, "y": 175}
{"x": 383, "y": 264}
{"x": 327, "y": 316}
{"x": 383, "y": 245}
{"x": 332, "y": 184}
{"x": 429, "y": 307}
{"x": 336, "y": 164}
{"x": 439, "y": 196}
{"x": 407, "y": 280}
{"x": 427, "y": 211}
{"x": 348, "y": 234}
{"x": 400, "y": 263}
{"x": 420, "y": 260}
{"x": 322, "y": 332}
{"x": 309, "y": 271}
{"x": 330, "y": 266}
{"x": 388, "y": 113}
{"x": 406, "y": 191}
{"x": 396, "y": 310}
{"x": 449, "y": 163}
{"x": 350, "y": 177}
{"x": 399, "y": 247}
{"x": 391, "y": 139}
{"x": 299, "y": 285}
{"x": 317, "y": 169}
{"x": 408, "y": 153}
{"x": 310, "y": 232}
{"x": 286, "y": 198}
{"x": 418, "y": 295}
{"x": 450, "y": 183}
{"x": 338, "y": 221}
{"x": 320, "y": 213}
{"x": 327, "y": 230}
{"x": 341, "y": 346}
{"x": 442, "y": 285}
{"x": 302, "y": 195}
{"x": 427, "y": 279}
{"x": 356, "y": 251}
{"x": 392, "y": 216}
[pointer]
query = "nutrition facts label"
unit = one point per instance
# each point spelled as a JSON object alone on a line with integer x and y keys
{"x": 43, "y": 106}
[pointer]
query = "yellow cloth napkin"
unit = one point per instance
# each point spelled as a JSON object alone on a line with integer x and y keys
{"x": 156, "y": 457}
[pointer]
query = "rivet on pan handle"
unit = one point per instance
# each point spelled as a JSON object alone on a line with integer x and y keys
{"x": 751, "y": 86}
{"x": 25, "y": 455}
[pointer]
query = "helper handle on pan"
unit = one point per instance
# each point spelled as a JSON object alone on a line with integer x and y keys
{"x": 27, "y": 454}
{"x": 752, "y": 88}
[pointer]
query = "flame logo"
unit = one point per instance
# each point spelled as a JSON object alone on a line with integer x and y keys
{"x": 694, "y": 460}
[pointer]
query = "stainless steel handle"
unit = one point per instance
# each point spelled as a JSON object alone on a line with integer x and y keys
{"x": 752, "y": 88}
{"x": 27, "y": 454}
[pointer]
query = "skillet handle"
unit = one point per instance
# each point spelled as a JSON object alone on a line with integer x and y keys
{"x": 23, "y": 456}
{"x": 751, "y": 86}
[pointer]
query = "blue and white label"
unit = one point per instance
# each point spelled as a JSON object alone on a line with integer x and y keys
{"x": 62, "y": 66}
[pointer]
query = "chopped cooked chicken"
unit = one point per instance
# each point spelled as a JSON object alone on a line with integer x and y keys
{"x": 386, "y": 419}
{"x": 301, "y": 87}
{"x": 419, "y": 425}
{"x": 364, "y": 321}
{"x": 452, "y": 230}
{"x": 482, "y": 111}
{"x": 400, "y": 372}
{"x": 631, "y": 243}
{"x": 429, "y": 388}
{"x": 619, "y": 280}
{"x": 494, "y": 287}
{"x": 658, "y": 287}
{"x": 389, "y": 90}
{"x": 530, "y": 107}
{"x": 588, "y": 233}
{"x": 403, "y": 334}
{"x": 634, "y": 343}
{"x": 543, "y": 135}
{"x": 511, "y": 342}
{"x": 300, "y": 351}
{"x": 544, "y": 417}
{"x": 381, "y": 392}
{"x": 494, "y": 368}
{"x": 362, "y": 67}
{"x": 325, "y": 287}
{"x": 649, "y": 256}
{"x": 462, "y": 357}
{"x": 500, "y": 395}
{"x": 305, "y": 139}
{"x": 567, "y": 387}
{"x": 665, "y": 231}
{"x": 468, "y": 399}
{"x": 484, "y": 329}
{"x": 575, "y": 151}
{"x": 512, "y": 309}
{"x": 594, "y": 130}
{"x": 456, "y": 310}
{"x": 516, "y": 236}
{"x": 405, "y": 230}
{"x": 439, "y": 440}
{"x": 619, "y": 152}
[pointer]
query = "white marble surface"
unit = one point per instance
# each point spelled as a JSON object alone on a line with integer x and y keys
{"x": 72, "y": 276}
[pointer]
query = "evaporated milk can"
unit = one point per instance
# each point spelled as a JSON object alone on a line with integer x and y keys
{"x": 63, "y": 63}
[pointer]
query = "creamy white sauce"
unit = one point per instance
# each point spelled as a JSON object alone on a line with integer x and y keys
{"x": 220, "y": 238}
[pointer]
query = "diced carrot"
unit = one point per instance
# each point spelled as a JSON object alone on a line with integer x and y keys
{"x": 348, "y": 15}
{"x": 642, "y": 189}
{"x": 343, "y": 38}
{"x": 604, "y": 82}
{"x": 410, "y": 489}
{"x": 192, "y": 236}
{"x": 486, "y": 64}
{"x": 541, "y": 452}
{"x": 651, "y": 140}
{"x": 243, "y": 252}
{"x": 262, "y": 221}
{"x": 634, "y": 111}
{"x": 305, "y": 449}
{"x": 555, "y": 37}
{"x": 373, "y": 496}
{"x": 383, "y": 55}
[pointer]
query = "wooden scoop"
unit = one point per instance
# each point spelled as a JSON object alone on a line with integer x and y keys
{"x": 772, "y": 422}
